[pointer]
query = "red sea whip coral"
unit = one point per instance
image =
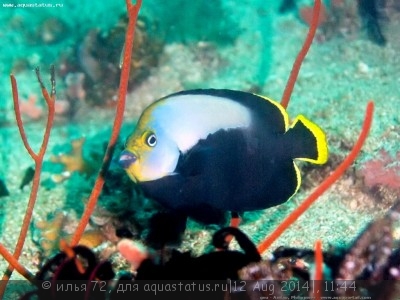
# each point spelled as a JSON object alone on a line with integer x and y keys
{"x": 133, "y": 11}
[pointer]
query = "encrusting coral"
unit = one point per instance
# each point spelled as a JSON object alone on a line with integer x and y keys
{"x": 72, "y": 162}
{"x": 30, "y": 108}
{"x": 382, "y": 171}
{"x": 345, "y": 18}
{"x": 48, "y": 233}
{"x": 96, "y": 57}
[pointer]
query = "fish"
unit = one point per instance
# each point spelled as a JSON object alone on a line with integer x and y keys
{"x": 28, "y": 177}
{"x": 205, "y": 152}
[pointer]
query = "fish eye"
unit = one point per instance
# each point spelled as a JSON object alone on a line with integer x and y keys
{"x": 151, "y": 140}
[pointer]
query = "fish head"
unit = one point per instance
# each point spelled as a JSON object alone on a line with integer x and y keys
{"x": 149, "y": 153}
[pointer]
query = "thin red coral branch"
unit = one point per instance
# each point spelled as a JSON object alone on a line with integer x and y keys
{"x": 306, "y": 14}
{"x": 18, "y": 117}
{"x": 133, "y": 11}
{"x": 67, "y": 249}
{"x": 318, "y": 257}
{"x": 16, "y": 265}
{"x": 319, "y": 260}
{"x": 324, "y": 185}
{"x": 302, "y": 54}
{"x": 38, "y": 159}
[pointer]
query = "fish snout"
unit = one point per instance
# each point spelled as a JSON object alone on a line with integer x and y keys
{"x": 126, "y": 159}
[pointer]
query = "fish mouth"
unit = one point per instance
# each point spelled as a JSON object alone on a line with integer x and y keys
{"x": 126, "y": 159}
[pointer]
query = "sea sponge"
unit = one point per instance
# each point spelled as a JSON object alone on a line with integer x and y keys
{"x": 385, "y": 170}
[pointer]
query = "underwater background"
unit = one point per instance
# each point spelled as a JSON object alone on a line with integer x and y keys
{"x": 247, "y": 45}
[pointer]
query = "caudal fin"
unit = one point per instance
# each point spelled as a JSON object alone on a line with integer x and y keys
{"x": 307, "y": 141}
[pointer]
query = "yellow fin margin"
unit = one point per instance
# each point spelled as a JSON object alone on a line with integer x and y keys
{"x": 322, "y": 146}
{"x": 298, "y": 176}
{"x": 281, "y": 109}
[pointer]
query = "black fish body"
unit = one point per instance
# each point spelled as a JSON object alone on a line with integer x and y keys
{"x": 243, "y": 162}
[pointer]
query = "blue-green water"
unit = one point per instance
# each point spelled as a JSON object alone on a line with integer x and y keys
{"x": 245, "y": 45}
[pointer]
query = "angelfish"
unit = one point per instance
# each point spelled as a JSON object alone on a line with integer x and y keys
{"x": 205, "y": 152}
